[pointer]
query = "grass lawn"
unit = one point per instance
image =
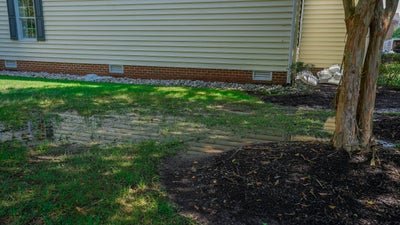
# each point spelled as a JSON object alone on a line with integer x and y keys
{"x": 68, "y": 184}
{"x": 93, "y": 185}
{"x": 22, "y": 99}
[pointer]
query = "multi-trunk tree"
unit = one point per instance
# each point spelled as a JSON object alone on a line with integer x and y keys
{"x": 367, "y": 22}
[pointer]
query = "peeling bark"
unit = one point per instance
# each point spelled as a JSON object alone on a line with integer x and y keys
{"x": 357, "y": 91}
{"x": 357, "y": 24}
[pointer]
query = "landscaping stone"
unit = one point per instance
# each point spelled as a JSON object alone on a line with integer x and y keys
{"x": 124, "y": 80}
{"x": 331, "y": 75}
{"x": 95, "y": 77}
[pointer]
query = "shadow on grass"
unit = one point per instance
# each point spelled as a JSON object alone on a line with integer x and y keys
{"x": 74, "y": 184}
{"x": 20, "y": 97}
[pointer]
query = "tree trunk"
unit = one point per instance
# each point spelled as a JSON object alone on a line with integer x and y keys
{"x": 357, "y": 92}
{"x": 357, "y": 24}
{"x": 366, "y": 104}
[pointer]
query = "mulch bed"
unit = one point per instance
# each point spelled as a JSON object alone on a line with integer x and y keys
{"x": 387, "y": 127}
{"x": 288, "y": 183}
{"x": 322, "y": 97}
{"x": 293, "y": 183}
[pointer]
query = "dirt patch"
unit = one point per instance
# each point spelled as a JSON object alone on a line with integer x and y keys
{"x": 287, "y": 183}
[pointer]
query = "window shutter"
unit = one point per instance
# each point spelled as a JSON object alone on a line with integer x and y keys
{"x": 12, "y": 20}
{"x": 39, "y": 20}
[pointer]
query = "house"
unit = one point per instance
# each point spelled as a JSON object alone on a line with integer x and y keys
{"x": 393, "y": 26}
{"x": 391, "y": 45}
{"x": 322, "y": 33}
{"x": 242, "y": 41}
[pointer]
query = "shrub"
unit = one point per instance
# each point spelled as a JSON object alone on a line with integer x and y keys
{"x": 389, "y": 75}
{"x": 390, "y": 58}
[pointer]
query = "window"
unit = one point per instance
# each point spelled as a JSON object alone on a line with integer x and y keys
{"x": 26, "y": 19}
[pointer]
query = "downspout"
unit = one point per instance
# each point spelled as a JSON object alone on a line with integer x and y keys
{"x": 292, "y": 42}
{"x": 300, "y": 29}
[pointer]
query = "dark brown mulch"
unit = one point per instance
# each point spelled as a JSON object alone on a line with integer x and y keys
{"x": 387, "y": 127}
{"x": 297, "y": 182}
{"x": 322, "y": 97}
{"x": 287, "y": 183}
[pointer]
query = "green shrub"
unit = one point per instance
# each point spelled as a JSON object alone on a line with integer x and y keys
{"x": 390, "y": 58}
{"x": 389, "y": 75}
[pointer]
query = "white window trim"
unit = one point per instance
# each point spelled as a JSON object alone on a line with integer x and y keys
{"x": 19, "y": 24}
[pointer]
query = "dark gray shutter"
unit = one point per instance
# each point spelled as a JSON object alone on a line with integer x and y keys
{"x": 12, "y": 20}
{"x": 39, "y": 20}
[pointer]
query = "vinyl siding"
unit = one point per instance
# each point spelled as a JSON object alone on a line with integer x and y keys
{"x": 219, "y": 34}
{"x": 323, "y": 34}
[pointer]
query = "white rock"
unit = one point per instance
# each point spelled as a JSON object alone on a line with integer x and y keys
{"x": 308, "y": 78}
{"x": 186, "y": 83}
{"x": 334, "y": 69}
{"x": 333, "y": 81}
{"x": 324, "y": 74}
{"x": 95, "y": 77}
{"x": 338, "y": 75}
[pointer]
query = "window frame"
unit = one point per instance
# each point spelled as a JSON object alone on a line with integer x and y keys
{"x": 19, "y": 22}
{"x": 15, "y": 27}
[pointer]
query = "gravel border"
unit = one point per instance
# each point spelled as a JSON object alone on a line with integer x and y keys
{"x": 184, "y": 83}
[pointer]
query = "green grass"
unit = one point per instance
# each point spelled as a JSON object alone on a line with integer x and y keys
{"x": 68, "y": 184}
{"x": 389, "y": 75}
{"x": 77, "y": 185}
{"x": 22, "y": 99}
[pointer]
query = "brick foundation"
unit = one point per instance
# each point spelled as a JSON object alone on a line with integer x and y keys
{"x": 316, "y": 70}
{"x": 148, "y": 72}
{"x": 2, "y": 65}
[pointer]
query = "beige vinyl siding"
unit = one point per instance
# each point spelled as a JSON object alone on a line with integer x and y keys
{"x": 220, "y": 34}
{"x": 323, "y": 33}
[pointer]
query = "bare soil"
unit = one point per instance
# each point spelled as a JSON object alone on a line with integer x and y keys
{"x": 294, "y": 183}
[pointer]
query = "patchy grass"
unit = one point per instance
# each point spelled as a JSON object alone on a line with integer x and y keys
{"x": 22, "y": 99}
{"x": 117, "y": 184}
{"x": 84, "y": 185}
{"x": 309, "y": 122}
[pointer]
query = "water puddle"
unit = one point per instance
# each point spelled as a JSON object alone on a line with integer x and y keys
{"x": 385, "y": 144}
{"x": 388, "y": 110}
{"x": 70, "y": 127}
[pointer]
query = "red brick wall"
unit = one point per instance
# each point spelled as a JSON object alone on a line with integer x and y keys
{"x": 316, "y": 70}
{"x": 149, "y": 72}
{"x": 1, "y": 64}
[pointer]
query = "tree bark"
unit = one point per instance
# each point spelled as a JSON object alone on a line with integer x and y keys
{"x": 357, "y": 21}
{"x": 366, "y": 104}
{"x": 357, "y": 91}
